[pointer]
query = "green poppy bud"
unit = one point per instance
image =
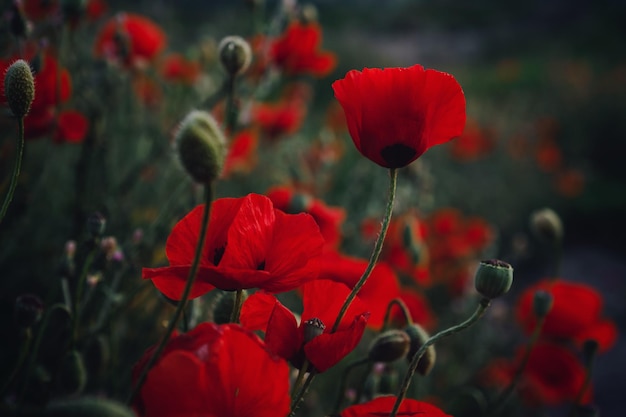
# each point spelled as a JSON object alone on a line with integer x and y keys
{"x": 19, "y": 88}
{"x": 418, "y": 337}
{"x": 235, "y": 54}
{"x": 493, "y": 278}
{"x": 389, "y": 346}
{"x": 542, "y": 303}
{"x": 546, "y": 225}
{"x": 87, "y": 406}
{"x": 201, "y": 146}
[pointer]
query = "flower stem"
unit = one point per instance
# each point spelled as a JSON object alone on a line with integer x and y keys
{"x": 234, "y": 315}
{"x": 405, "y": 312}
{"x": 78, "y": 294}
{"x": 16, "y": 169}
{"x": 305, "y": 387}
{"x": 24, "y": 350}
{"x": 344, "y": 377}
{"x": 478, "y": 313}
{"x": 183, "y": 300}
{"x": 378, "y": 246}
{"x": 300, "y": 378}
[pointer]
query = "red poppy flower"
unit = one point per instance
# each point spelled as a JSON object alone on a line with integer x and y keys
{"x": 475, "y": 142}
{"x": 575, "y": 313}
{"x": 130, "y": 38}
{"x": 214, "y": 371}
{"x": 297, "y": 51}
{"x": 249, "y": 244}
{"x": 95, "y": 9}
{"x": 553, "y": 375}
{"x": 380, "y": 288}
{"x": 71, "y": 127}
{"x": 570, "y": 182}
{"x": 176, "y": 68}
{"x": 329, "y": 219}
{"x": 395, "y": 114}
{"x": 382, "y": 406}
{"x": 242, "y": 154}
{"x": 311, "y": 339}
{"x": 279, "y": 119}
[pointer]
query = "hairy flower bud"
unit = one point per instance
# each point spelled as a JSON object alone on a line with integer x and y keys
{"x": 19, "y": 88}
{"x": 389, "y": 346}
{"x": 493, "y": 278}
{"x": 546, "y": 225}
{"x": 201, "y": 146}
{"x": 418, "y": 337}
{"x": 235, "y": 54}
{"x": 542, "y": 303}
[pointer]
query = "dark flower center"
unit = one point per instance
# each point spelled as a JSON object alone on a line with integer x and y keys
{"x": 313, "y": 328}
{"x": 398, "y": 155}
{"x": 261, "y": 266}
{"x": 217, "y": 254}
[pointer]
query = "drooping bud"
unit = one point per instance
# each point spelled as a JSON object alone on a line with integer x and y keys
{"x": 87, "y": 406}
{"x": 19, "y": 88}
{"x": 96, "y": 224}
{"x": 73, "y": 376}
{"x": 28, "y": 310}
{"x": 418, "y": 337}
{"x": 313, "y": 328}
{"x": 235, "y": 54}
{"x": 493, "y": 278}
{"x": 389, "y": 346}
{"x": 223, "y": 305}
{"x": 546, "y": 225}
{"x": 542, "y": 303}
{"x": 201, "y": 146}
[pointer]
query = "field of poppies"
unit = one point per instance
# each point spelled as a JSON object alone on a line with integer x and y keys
{"x": 279, "y": 208}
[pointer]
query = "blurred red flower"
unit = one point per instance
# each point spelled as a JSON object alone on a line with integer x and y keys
{"x": 95, "y": 9}
{"x": 72, "y": 127}
{"x": 249, "y": 244}
{"x": 242, "y": 154}
{"x": 129, "y": 38}
{"x": 419, "y": 308}
{"x": 395, "y": 114}
{"x": 176, "y": 68}
{"x": 475, "y": 142}
{"x": 40, "y": 9}
{"x": 311, "y": 338}
{"x": 279, "y": 119}
{"x": 382, "y": 406}
{"x": 328, "y": 218}
{"x": 297, "y": 51}
{"x": 380, "y": 288}
{"x": 214, "y": 370}
{"x": 575, "y": 314}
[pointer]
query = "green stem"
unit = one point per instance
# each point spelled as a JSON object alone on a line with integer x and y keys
{"x": 16, "y": 169}
{"x": 402, "y": 306}
{"x": 234, "y": 315}
{"x": 231, "y": 108}
{"x": 305, "y": 387}
{"x": 301, "y": 373}
{"x": 183, "y": 300}
{"x": 78, "y": 294}
{"x": 478, "y": 313}
{"x": 378, "y": 246}
{"x": 24, "y": 350}
{"x": 501, "y": 400}
{"x": 344, "y": 378}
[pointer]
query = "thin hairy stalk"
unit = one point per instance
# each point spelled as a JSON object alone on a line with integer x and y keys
{"x": 300, "y": 395}
{"x": 16, "y": 168}
{"x": 405, "y": 312}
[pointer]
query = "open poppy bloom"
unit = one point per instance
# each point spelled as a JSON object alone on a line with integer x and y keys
{"x": 395, "y": 114}
{"x": 214, "y": 371}
{"x": 382, "y": 406}
{"x": 249, "y": 244}
{"x": 575, "y": 314}
{"x": 311, "y": 339}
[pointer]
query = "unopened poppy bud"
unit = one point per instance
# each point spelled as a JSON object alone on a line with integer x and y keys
{"x": 389, "y": 346}
{"x": 86, "y": 406}
{"x": 493, "y": 278}
{"x": 542, "y": 303}
{"x": 418, "y": 337}
{"x": 96, "y": 224}
{"x": 28, "y": 310}
{"x": 313, "y": 328}
{"x": 546, "y": 225}
{"x": 19, "y": 88}
{"x": 201, "y": 146}
{"x": 223, "y": 305}
{"x": 308, "y": 13}
{"x": 73, "y": 376}
{"x": 299, "y": 202}
{"x": 235, "y": 54}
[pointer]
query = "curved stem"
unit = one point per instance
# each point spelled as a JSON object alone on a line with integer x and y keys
{"x": 405, "y": 312}
{"x": 478, "y": 313}
{"x": 183, "y": 300}
{"x": 344, "y": 378}
{"x": 378, "y": 246}
{"x": 16, "y": 168}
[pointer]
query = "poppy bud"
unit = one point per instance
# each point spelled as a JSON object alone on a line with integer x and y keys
{"x": 493, "y": 278}
{"x": 389, "y": 346}
{"x": 313, "y": 328}
{"x": 87, "y": 406}
{"x": 96, "y": 224}
{"x": 418, "y": 337}
{"x": 235, "y": 54}
{"x": 542, "y": 303}
{"x": 73, "y": 376}
{"x": 546, "y": 225}
{"x": 19, "y": 88}
{"x": 224, "y": 304}
{"x": 299, "y": 202}
{"x": 201, "y": 146}
{"x": 28, "y": 310}
{"x": 308, "y": 13}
